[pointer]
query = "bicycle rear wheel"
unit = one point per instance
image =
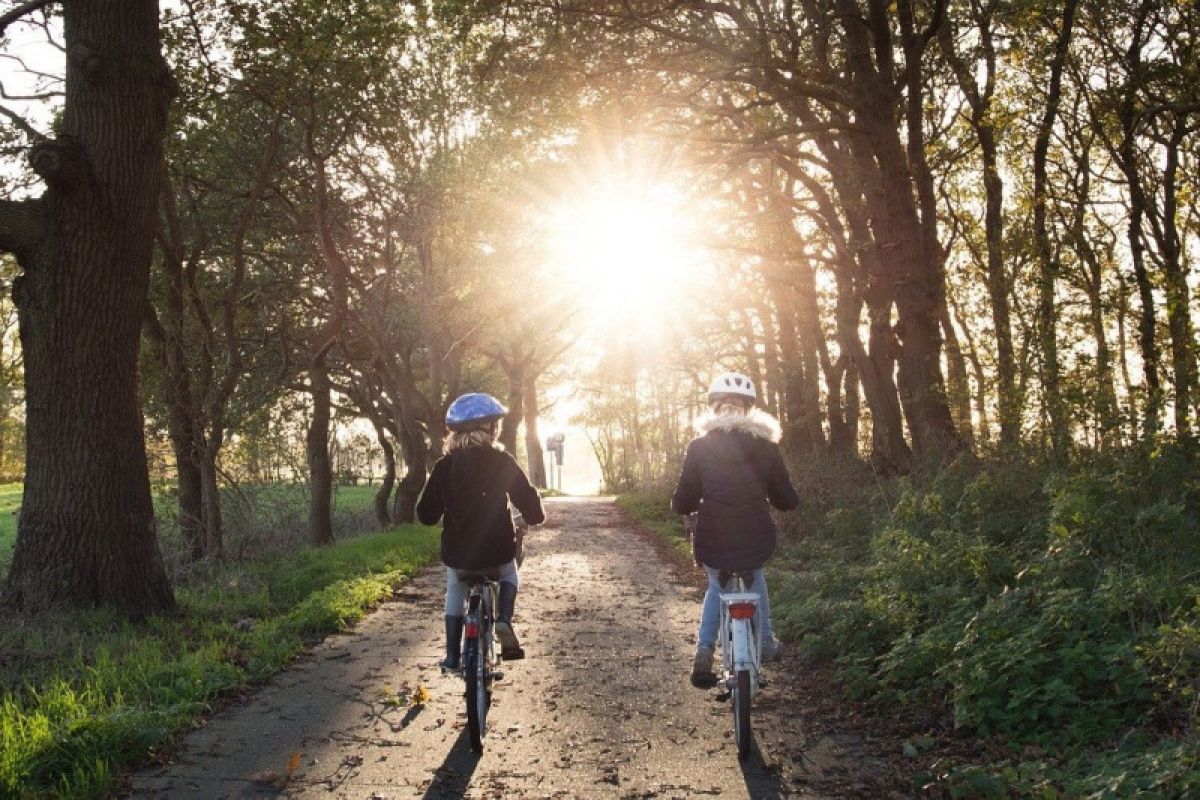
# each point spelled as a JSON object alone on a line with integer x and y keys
{"x": 741, "y": 712}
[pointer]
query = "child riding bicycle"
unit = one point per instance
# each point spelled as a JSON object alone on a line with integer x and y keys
{"x": 470, "y": 489}
{"x": 730, "y": 474}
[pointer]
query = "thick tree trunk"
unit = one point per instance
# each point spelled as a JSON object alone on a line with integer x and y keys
{"x": 516, "y": 412}
{"x": 182, "y": 432}
{"x": 533, "y": 443}
{"x": 852, "y": 416}
{"x": 86, "y": 534}
{"x": 811, "y": 344}
{"x": 412, "y": 447}
{"x": 799, "y": 433}
{"x": 320, "y": 470}
{"x": 211, "y": 526}
{"x": 382, "y": 514}
{"x": 920, "y": 293}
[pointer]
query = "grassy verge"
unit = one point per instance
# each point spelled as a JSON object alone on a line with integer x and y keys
{"x": 85, "y": 695}
{"x": 652, "y": 508}
{"x": 10, "y": 501}
{"x": 258, "y": 518}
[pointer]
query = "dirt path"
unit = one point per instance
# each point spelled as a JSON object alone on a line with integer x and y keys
{"x": 600, "y": 708}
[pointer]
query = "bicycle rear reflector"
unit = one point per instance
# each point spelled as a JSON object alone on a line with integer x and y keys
{"x": 741, "y": 610}
{"x": 472, "y": 630}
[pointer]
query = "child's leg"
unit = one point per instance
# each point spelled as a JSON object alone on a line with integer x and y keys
{"x": 706, "y": 637}
{"x": 759, "y": 586}
{"x": 456, "y": 594}
{"x": 510, "y": 646}
{"x": 710, "y": 612}
{"x": 456, "y": 601}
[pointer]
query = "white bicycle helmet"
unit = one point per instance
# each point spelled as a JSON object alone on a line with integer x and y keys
{"x": 732, "y": 384}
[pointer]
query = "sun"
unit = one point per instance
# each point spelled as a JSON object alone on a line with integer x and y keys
{"x": 624, "y": 251}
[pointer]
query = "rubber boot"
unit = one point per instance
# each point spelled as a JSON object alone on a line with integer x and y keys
{"x": 510, "y": 648}
{"x": 454, "y": 628}
{"x": 703, "y": 676}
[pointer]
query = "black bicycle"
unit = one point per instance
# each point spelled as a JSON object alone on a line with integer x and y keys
{"x": 479, "y": 658}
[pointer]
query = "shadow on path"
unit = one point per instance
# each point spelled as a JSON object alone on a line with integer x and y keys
{"x": 762, "y": 782}
{"x": 452, "y": 778}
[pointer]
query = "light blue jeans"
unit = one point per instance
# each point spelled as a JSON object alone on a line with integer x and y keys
{"x": 710, "y": 612}
{"x": 457, "y": 590}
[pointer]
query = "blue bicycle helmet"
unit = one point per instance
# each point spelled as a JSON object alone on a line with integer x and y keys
{"x": 473, "y": 410}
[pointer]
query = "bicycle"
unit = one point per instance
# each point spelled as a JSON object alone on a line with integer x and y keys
{"x": 741, "y": 651}
{"x": 479, "y": 659}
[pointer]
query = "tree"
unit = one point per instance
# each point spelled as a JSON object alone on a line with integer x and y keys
{"x": 86, "y": 534}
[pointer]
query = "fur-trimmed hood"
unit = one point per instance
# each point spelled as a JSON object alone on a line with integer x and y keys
{"x": 756, "y": 422}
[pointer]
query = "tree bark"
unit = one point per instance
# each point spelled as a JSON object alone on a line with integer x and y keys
{"x": 533, "y": 444}
{"x": 86, "y": 534}
{"x": 515, "y": 371}
{"x": 1179, "y": 317}
{"x": 1127, "y": 159}
{"x": 210, "y": 489}
{"x": 412, "y": 446}
{"x": 320, "y": 519}
{"x": 981, "y": 99}
{"x": 384, "y": 494}
{"x": 1047, "y": 262}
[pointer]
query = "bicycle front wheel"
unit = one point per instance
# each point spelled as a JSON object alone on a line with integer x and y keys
{"x": 476, "y": 711}
{"x": 479, "y": 690}
{"x": 741, "y": 712}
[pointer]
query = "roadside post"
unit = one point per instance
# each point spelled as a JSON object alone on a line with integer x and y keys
{"x": 554, "y": 443}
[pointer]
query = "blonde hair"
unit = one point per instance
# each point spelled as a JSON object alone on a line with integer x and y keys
{"x": 476, "y": 437}
{"x": 722, "y": 407}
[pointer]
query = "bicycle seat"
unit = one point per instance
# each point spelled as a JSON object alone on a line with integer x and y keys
{"x": 724, "y": 576}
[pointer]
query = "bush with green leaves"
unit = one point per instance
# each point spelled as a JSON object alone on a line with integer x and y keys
{"x": 1055, "y": 608}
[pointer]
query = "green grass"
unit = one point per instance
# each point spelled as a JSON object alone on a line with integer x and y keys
{"x": 251, "y": 515}
{"x": 652, "y": 508}
{"x": 10, "y": 501}
{"x": 86, "y": 695}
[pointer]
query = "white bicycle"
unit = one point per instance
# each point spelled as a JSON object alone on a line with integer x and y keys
{"x": 741, "y": 650}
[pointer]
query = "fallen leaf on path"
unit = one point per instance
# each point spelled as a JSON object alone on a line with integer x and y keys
{"x": 420, "y": 696}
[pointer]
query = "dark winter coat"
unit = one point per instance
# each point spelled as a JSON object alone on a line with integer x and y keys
{"x": 729, "y": 475}
{"x": 470, "y": 487}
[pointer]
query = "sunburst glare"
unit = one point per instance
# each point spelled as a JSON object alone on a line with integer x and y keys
{"x": 626, "y": 252}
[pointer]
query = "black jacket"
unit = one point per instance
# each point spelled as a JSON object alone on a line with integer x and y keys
{"x": 729, "y": 475}
{"x": 471, "y": 488}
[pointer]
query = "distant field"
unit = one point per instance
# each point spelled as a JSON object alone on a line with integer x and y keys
{"x": 349, "y": 503}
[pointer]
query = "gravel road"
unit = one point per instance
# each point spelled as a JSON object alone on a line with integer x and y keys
{"x": 601, "y": 707}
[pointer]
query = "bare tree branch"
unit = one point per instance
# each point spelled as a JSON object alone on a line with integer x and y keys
{"x": 19, "y": 121}
{"x": 21, "y": 11}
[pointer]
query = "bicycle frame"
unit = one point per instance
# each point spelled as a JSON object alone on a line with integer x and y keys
{"x": 741, "y": 633}
{"x": 741, "y": 652}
